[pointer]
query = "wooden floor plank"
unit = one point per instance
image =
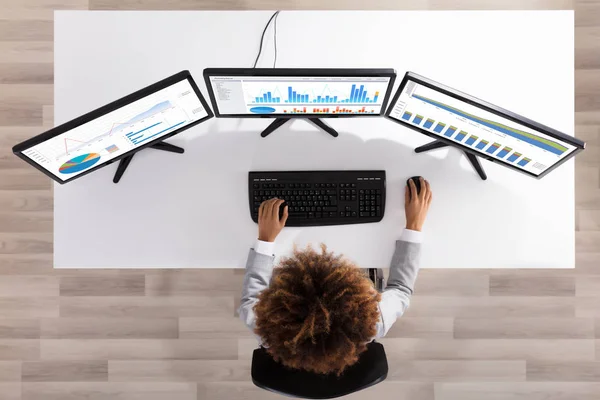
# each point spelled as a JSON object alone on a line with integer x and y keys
{"x": 109, "y": 391}
{"x": 517, "y": 391}
{"x": 108, "y": 328}
{"x": 65, "y": 371}
{"x": 524, "y": 328}
{"x": 138, "y": 349}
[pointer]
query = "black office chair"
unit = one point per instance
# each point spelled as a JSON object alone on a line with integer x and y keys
{"x": 370, "y": 369}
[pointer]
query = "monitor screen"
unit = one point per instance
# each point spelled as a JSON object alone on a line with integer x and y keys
{"x": 116, "y": 133}
{"x": 467, "y": 124}
{"x": 326, "y": 94}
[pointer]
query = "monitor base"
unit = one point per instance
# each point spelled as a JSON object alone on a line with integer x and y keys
{"x": 124, "y": 163}
{"x": 472, "y": 158}
{"x": 280, "y": 121}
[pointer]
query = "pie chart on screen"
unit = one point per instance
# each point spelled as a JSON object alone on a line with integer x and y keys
{"x": 79, "y": 163}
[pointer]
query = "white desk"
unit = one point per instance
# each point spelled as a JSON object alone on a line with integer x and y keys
{"x": 191, "y": 210}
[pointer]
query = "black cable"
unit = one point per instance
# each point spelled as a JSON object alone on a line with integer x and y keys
{"x": 263, "y": 37}
{"x": 275, "y": 38}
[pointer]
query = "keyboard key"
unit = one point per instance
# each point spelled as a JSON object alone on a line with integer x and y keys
{"x": 298, "y": 215}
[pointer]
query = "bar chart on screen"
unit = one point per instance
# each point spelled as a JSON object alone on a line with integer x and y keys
{"x": 297, "y": 95}
{"x": 478, "y": 129}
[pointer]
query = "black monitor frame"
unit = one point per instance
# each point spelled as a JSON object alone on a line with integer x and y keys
{"x": 411, "y": 76}
{"x": 99, "y": 112}
{"x": 299, "y": 72}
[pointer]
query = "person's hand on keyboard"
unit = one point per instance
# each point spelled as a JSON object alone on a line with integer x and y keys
{"x": 269, "y": 223}
{"x": 417, "y": 204}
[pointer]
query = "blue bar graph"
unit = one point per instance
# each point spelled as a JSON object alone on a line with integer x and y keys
{"x": 143, "y": 139}
{"x": 406, "y": 116}
{"x": 461, "y": 135}
{"x": 492, "y": 149}
{"x": 450, "y": 131}
{"x": 504, "y": 152}
{"x": 472, "y": 139}
{"x": 481, "y": 144}
{"x": 513, "y": 157}
{"x": 417, "y": 119}
{"x": 439, "y": 127}
{"x": 357, "y": 95}
{"x": 524, "y": 162}
{"x": 428, "y": 123}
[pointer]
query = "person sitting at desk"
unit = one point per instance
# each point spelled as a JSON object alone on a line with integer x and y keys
{"x": 319, "y": 310}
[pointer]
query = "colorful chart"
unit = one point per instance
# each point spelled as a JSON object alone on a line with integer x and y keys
{"x": 535, "y": 140}
{"x": 295, "y": 95}
{"x": 79, "y": 163}
{"x": 112, "y": 148}
{"x": 262, "y": 110}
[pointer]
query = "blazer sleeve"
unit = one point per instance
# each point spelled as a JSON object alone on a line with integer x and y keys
{"x": 259, "y": 268}
{"x": 395, "y": 298}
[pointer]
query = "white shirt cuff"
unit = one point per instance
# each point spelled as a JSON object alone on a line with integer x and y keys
{"x": 412, "y": 236}
{"x": 266, "y": 248}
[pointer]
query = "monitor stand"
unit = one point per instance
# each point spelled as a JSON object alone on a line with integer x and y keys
{"x": 280, "y": 121}
{"x": 472, "y": 158}
{"x": 124, "y": 163}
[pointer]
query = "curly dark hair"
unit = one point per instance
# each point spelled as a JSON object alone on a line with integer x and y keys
{"x": 318, "y": 313}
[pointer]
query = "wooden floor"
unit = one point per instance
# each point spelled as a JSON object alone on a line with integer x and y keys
{"x": 116, "y": 334}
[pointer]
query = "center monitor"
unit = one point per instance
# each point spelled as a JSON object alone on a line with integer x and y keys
{"x": 290, "y": 92}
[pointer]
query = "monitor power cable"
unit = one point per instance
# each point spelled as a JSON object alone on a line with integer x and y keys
{"x": 273, "y": 17}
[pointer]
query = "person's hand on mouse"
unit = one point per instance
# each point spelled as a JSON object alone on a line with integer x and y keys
{"x": 269, "y": 224}
{"x": 416, "y": 205}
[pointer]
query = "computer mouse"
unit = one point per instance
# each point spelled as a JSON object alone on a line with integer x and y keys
{"x": 281, "y": 208}
{"x": 417, "y": 181}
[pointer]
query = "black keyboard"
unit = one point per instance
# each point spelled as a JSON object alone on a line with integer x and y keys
{"x": 321, "y": 197}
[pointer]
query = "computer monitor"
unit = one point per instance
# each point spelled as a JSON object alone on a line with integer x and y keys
{"x": 479, "y": 128}
{"x": 118, "y": 130}
{"x": 286, "y": 93}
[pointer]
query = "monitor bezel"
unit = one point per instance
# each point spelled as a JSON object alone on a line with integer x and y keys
{"x": 99, "y": 112}
{"x": 299, "y": 72}
{"x": 501, "y": 112}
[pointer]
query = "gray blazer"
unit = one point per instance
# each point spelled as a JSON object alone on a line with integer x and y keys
{"x": 394, "y": 299}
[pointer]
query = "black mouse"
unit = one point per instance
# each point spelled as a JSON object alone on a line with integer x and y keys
{"x": 417, "y": 181}
{"x": 281, "y": 208}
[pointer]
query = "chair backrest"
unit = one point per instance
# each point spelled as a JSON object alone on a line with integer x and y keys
{"x": 370, "y": 369}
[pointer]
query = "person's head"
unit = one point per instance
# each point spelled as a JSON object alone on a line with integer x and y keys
{"x": 318, "y": 313}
